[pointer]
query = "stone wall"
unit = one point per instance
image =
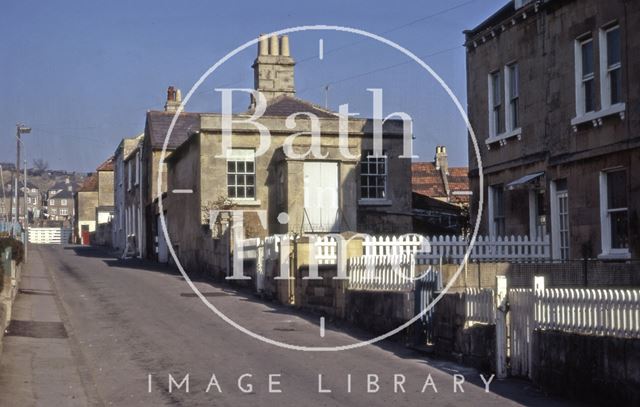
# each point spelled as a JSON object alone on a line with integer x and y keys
{"x": 472, "y": 345}
{"x": 10, "y": 273}
{"x": 379, "y": 312}
{"x": 587, "y": 367}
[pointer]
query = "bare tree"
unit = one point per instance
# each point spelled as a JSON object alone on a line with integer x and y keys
{"x": 40, "y": 165}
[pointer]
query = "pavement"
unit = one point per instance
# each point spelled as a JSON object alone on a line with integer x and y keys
{"x": 92, "y": 330}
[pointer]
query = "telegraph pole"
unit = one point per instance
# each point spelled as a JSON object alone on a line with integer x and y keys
{"x": 26, "y": 213}
{"x": 20, "y": 130}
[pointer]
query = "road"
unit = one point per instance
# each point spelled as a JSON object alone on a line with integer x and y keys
{"x": 130, "y": 324}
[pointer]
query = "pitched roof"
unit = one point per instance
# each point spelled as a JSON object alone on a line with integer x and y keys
{"x": 107, "y": 165}
{"x": 64, "y": 194}
{"x": 286, "y": 105}
{"x": 427, "y": 180}
{"x": 158, "y": 124}
{"x": 90, "y": 184}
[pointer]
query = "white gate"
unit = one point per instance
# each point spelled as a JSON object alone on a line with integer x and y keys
{"x": 521, "y": 324}
{"x": 49, "y": 235}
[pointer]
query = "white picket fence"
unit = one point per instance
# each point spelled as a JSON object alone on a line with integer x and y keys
{"x": 480, "y": 306}
{"x": 607, "y": 312}
{"x": 49, "y": 235}
{"x": 381, "y": 273}
{"x": 326, "y": 250}
{"x": 452, "y": 249}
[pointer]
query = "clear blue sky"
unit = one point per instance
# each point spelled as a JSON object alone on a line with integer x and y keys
{"x": 83, "y": 73}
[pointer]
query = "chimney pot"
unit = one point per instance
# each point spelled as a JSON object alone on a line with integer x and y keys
{"x": 284, "y": 46}
{"x": 263, "y": 45}
{"x": 274, "y": 48}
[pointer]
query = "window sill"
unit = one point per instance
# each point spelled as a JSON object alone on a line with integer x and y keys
{"x": 595, "y": 118}
{"x": 621, "y": 255}
{"x": 246, "y": 202}
{"x": 502, "y": 138}
{"x": 375, "y": 202}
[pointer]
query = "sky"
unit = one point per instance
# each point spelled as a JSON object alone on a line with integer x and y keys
{"x": 83, "y": 73}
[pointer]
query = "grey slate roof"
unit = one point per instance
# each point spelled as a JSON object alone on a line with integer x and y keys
{"x": 284, "y": 106}
{"x": 158, "y": 124}
{"x": 65, "y": 194}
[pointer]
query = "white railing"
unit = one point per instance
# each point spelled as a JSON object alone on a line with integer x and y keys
{"x": 480, "y": 305}
{"x": 381, "y": 273}
{"x": 591, "y": 311}
{"x": 452, "y": 249}
{"x": 49, "y": 235}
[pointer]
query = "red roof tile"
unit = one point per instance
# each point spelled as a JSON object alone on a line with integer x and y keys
{"x": 90, "y": 184}
{"x": 108, "y": 165}
{"x": 427, "y": 180}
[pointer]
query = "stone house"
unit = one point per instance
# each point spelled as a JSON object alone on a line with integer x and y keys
{"x": 86, "y": 201}
{"x": 553, "y": 101}
{"x": 61, "y": 206}
{"x": 297, "y": 193}
{"x": 34, "y": 201}
{"x": 104, "y": 210}
{"x": 121, "y": 225}
{"x": 156, "y": 126}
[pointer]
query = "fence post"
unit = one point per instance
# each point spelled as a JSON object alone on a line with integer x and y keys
{"x": 501, "y": 327}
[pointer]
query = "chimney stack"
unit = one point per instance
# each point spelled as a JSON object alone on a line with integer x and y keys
{"x": 174, "y": 99}
{"x": 273, "y": 69}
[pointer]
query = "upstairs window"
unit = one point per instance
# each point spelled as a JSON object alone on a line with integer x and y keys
{"x": 63, "y": 202}
{"x": 585, "y": 77}
{"x": 241, "y": 174}
{"x": 513, "y": 94}
{"x": 611, "y": 61}
{"x": 129, "y": 172}
{"x": 373, "y": 176}
{"x": 495, "y": 102}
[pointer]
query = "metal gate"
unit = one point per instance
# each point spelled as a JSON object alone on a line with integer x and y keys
{"x": 426, "y": 289}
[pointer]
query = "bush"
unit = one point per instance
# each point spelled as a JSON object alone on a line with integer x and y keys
{"x": 17, "y": 248}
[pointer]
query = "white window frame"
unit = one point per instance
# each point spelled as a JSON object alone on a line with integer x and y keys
{"x": 64, "y": 212}
{"x": 52, "y": 202}
{"x": 242, "y": 155}
{"x": 555, "y": 212}
{"x": 129, "y": 183}
{"x": 494, "y": 127}
{"x": 605, "y": 68}
{"x": 366, "y": 156}
{"x": 63, "y": 202}
{"x": 605, "y": 218}
{"x": 509, "y": 98}
{"x": 581, "y": 102}
{"x": 491, "y": 201}
{"x": 137, "y": 168}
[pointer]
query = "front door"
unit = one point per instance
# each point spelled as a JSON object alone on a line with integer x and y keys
{"x": 321, "y": 197}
